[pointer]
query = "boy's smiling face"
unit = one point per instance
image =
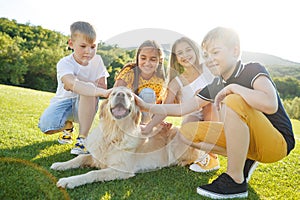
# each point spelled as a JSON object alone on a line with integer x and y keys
{"x": 220, "y": 59}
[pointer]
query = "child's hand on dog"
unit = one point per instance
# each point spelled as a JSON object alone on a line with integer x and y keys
{"x": 140, "y": 103}
{"x": 106, "y": 93}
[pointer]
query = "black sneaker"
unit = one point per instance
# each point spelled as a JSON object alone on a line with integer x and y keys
{"x": 250, "y": 166}
{"x": 224, "y": 187}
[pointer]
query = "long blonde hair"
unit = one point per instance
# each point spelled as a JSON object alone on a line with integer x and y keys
{"x": 175, "y": 68}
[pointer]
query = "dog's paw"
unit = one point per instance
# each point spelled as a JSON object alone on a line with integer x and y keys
{"x": 66, "y": 183}
{"x": 57, "y": 166}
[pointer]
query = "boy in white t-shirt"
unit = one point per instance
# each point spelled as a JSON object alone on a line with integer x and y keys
{"x": 81, "y": 80}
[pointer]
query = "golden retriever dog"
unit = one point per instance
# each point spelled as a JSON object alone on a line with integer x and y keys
{"x": 118, "y": 149}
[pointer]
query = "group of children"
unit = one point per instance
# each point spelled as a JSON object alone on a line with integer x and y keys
{"x": 228, "y": 108}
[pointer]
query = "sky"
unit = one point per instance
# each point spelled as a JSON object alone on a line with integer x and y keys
{"x": 264, "y": 26}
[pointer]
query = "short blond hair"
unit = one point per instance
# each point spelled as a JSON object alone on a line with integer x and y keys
{"x": 85, "y": 29}
{"x": 227, "y": 35}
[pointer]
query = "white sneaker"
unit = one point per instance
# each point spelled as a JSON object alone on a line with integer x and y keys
{"x": 65, "y": 137}
{"x": 79, "y": 147}
{"x": 207, "y": 163}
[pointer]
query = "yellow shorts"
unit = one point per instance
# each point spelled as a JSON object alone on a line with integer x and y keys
{"x": 266, "y": 142}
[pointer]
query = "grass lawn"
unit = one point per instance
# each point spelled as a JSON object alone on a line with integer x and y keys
{"x": 26, "y": 155}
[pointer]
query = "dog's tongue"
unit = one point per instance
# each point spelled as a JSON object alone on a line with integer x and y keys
{"x": 119, "y": 111}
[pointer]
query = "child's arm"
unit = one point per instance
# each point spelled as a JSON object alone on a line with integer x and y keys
{"x": 263, "y": 97}
{"x": 101, "y": 82}
{"x": 171, "y": 95}
{"x": 176, "y": 110}
{"x": 71, "y": 83}
{"x": 210, "y": 113}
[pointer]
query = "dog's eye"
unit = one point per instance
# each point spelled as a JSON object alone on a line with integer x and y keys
{"x": 129, "y": 95}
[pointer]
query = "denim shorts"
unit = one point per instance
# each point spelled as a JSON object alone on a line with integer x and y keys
{"x": 148, "y": 95}
{"x": 56, "y": 115}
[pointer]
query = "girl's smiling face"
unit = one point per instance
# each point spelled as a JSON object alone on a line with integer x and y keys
{"x": 148, "y": 61}
{"x": 185, "y": 54}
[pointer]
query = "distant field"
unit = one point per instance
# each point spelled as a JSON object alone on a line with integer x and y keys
{"x": 26, "y": 155}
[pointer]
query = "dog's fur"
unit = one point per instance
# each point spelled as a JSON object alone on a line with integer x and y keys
{"x": 118, "y": 148}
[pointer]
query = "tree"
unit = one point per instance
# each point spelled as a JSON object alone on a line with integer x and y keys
{"x": 288, "y": 87}
{"x": 41, "y": 73}
{"x": 292, "y": 107}
{"x": 29, "y": 54}
{"x": 114, "y": 59}
{"x": 12, "y": 63}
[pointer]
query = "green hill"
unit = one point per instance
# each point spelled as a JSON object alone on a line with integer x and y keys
{"x": 277, "y": 66}
{"x": 267, "y": 59}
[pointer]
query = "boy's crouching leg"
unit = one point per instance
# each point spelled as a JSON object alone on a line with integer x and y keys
{"x": 204, "y": 131}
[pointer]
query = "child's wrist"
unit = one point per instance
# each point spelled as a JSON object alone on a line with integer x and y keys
{"x": 147, "y": 106}
{"x": 100, "y": 92}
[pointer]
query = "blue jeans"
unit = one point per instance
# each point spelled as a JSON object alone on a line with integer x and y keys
{"x": 149, "y": 96}
{"x": 56, "y": 115}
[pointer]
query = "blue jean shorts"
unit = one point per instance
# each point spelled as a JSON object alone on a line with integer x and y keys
{"x": 148, "y": 95}
{"x": 56, "y": 115}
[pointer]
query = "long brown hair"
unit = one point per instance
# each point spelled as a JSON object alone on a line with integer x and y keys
{"x": 160, "y": 71}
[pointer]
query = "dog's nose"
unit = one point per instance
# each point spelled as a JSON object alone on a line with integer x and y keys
{"x": 121, "y": 94}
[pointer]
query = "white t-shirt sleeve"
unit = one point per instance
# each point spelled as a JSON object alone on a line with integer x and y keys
{"x": 65, "y": 66}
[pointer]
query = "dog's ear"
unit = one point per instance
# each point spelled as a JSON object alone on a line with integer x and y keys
{"x": 103, "y": 109}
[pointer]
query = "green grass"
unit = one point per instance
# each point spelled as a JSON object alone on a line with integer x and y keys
{"x": 26, "y": 155}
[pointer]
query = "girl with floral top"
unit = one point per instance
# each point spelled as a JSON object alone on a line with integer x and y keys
{"x": 146, "y": 77}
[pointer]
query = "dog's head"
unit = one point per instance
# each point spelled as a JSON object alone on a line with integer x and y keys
{"x": 120, "y": 105}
